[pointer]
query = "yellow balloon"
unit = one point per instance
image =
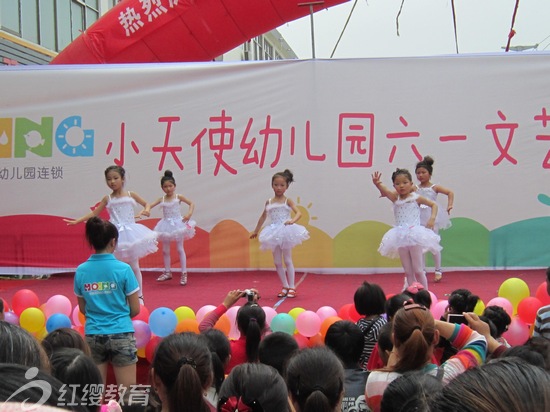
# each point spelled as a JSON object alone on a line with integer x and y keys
{"x": 32, "y": 319}
{"x": 480, "y": 307}
{"x": 41, "y": 334}
{"x": 141, "y": 352}
{"x": 295, "y": 312}
{"x": 515, "y": 290}
{"x": 184, "y": 312}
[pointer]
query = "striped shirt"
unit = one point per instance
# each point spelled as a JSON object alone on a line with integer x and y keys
{"x": 371, "y": 330}
{"x": 542, "y": 322}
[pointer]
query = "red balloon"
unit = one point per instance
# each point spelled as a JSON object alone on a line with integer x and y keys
{"x": 143, "y": 314}
{"x": 151, "y": 347}
{"x": 301, "y": 340}
{"x": 518, "y": 332}
{"x": 6, "y": 306}
{"x": 344, "y": 311}
{"x": 527, "y": 309}
{"x": 542, "y": 294}
{"x": 24, "y": 299}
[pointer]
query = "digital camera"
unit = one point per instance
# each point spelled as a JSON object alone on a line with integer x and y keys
{"x": 249, "y": 295}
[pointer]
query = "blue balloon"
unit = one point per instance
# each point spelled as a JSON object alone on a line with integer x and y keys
{"x": 56, "y": 321}
{"x": 283, "y": 322}
{"x": 163, "y": 321}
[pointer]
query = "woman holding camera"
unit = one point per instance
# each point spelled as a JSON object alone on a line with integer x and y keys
{"x": 250, "y": 322}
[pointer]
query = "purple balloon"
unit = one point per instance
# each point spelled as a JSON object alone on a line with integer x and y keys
{"x": 12, "y": 318}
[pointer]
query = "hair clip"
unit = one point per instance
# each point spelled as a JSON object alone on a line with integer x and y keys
{"x": 234, "y": 404}
{"x": 410, "y": 306}
{"x": 415, "y": 288}
{"x": 187, "y": 361}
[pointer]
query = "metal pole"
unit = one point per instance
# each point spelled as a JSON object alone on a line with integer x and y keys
{"x": 311, "y": 4}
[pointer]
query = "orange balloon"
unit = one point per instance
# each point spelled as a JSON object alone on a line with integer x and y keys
{"x": 141, "y": 352}
{"x": 223, "y": 324}
{"x": 187, "y": 325}
{"x": 316, "y": 340}
{"x": 326, "y": 324}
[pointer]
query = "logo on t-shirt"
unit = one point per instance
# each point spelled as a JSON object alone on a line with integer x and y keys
{"x": 100, "y": 286}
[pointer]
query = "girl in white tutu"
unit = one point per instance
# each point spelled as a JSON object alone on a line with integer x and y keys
{"x": 427, "y": 189}
{"x": 173, "y": 227}
{"x": 134, "y": 241}
{"x": 408, "y": 239}
{"x": 282, "y": 233}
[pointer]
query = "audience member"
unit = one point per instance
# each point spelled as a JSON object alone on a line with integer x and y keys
{"x": 542, "y": 320}
{"x": 253, "y": 387}
{"x": 419, "y": 294}
{"x": 347, "y": 341}
{"x": 415, "y": 334}
{"x": 504, "y": 385}
{"x": 500, "y": 318}
{"x": 220, "y": 350}
{"x": 250, "y": 322}
{"x": 542, "y": 346}
{"x": 65, "y": 338}
{"x": 369, "y": 302}
{"x": 276, "y": 349}
{"x": 315, "y": 380}
{"x": 410, "y": 392}
{"x": 1, "y": 309}
{"x": 20, "y": 347}
{"x": 181, "y": 372}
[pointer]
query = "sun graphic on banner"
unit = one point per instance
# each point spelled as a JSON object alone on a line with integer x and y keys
{"x": 306, "y": 216}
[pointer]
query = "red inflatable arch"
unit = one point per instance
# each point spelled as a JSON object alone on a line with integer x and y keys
{"x": 136, "y": 31}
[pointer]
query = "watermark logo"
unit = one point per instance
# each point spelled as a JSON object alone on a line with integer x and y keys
{"x": 39, "y": 384}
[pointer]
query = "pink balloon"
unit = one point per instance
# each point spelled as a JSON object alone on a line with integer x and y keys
{"x": 439, "y": 308}
{"x": 518, "y": 332}
{"x": 232, "y": 313}
{"x": 301, "y": 340}
{"x": 270, "y": 313}
{"x": 201, "y": 313}
{"x": 308, "y": 323}
{"x": 75, "y": 317}
{"x": 142, "y": 333}
{"x": 503, "y": 303}
{"x": 434, "y": 298}
{"x": 58, "y": 304}
{"x": 12, "y": 318}
{"x": 326, "y": 312}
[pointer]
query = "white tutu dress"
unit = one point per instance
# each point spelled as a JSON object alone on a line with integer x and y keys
{"x": 134, "y": 240}
{"x": 442, "y": 220}
{"x": 171, "y": 228}
{"x": 279, "y": 234}
{"x": 407, "y": 230}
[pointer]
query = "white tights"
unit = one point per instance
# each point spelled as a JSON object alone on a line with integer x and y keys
{"x": 287, "y": 278}
{"x": 134, "y": 264}
{"x": 436, "y": 256}
{"x": 412, "y": 261}
{"x": 166, "y": 256}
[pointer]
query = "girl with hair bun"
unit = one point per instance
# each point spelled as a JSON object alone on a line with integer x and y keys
{"x": 282, "y": 234}
{"x": 173, "y": 227}
{"x": 427, "y": 189}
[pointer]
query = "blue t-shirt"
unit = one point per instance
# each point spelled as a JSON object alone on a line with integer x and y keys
{"x": 104, "y": 282}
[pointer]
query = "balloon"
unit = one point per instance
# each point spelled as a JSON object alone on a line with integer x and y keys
{"x": 326, "y": 311}
{"x": 232, "y": 314}
{"x": 23, "y": 299}
{"x": 78, "y": 317}
{"x": 184, "y": 312}
{"x": 295, "y": 312}
{"x": 308, "y": 323}
{"x": 527, "y": 309}
{"x": 12, "y": 318}
{"x": 270, "y": 313}
{"x": 316, "y": 340}
{"x": 434, "y": 298}
{"x": 542, "y": 294}
{"x": 163, "y": 321}
{"x": 202, "y": 312}
{"x": 301, "y": 340}
{"x": 439, "y": 308}
{"x": 79, "y": 329}
{"x": 517, "y": 333}
{"x": 353, "y": 314}
{"x": 187, "y": 325}
{"x": 223, "y": 324}
{"x": 142, "y": 333}
{"x": 151, "y": 347}
{"x": 58, "y": 304}
{"x": 344, "y": 311}
{"x": 515, "y": 290}
{"x": 6, "y": 306}
{"x": 283, "y": 322}
{"x": 56, "y": 321}
{"x": 141, "y": 353}
{"x": 143, "y": 314}
{"x": 32, "y": 319}
{"x": 41, "y": 334}
{"x": 479, "y": 308}
{"x": 503, "y": 303}
{"x": 325, "y": 324}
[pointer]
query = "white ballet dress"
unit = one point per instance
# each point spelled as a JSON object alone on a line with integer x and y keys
{"x": 442, "y": 219}
{"x": 407, "y": 230}
{"x": 134, "y": 240}
{"x": 276, "y": 233}
{"x": 171, "y": 227}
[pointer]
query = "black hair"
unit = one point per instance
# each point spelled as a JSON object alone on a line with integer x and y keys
{"x": 548, "y": 275}
{"x": 385, "y": 342}
{"x": 285, "y": 174}
{"x": 20, "y": 347}
{"x": 315, "y": 380}
{"x": 401, "y": 172}
{"x": 64, "y": 338}
{"x": 526, "y": 353}
{"x": 542, "y": 346}
{"x": 100, "y": 232}
{"x": 276, "y": 349}
{"x": 410, "y": 392}
{"x": 462, "y": 300}
{"x": 78, "y": 371}
{"x": 394, "y": 303}
{"x": 1, "y": 305}
{"x": 257, "y": 385}
{"x": 346, "y": 340}
{"x": 168, "y": 177}
{"x": 220, "y": 348}
{"x": 426, "y": 163}
{"x": 369, "y": 299}
{"x": 184, "y": 365}
{"x": 422, "y": 297}
{"x": 115, "y": 168}
{"x": 499, "y": 317}
{"x": 251, "y": 324}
